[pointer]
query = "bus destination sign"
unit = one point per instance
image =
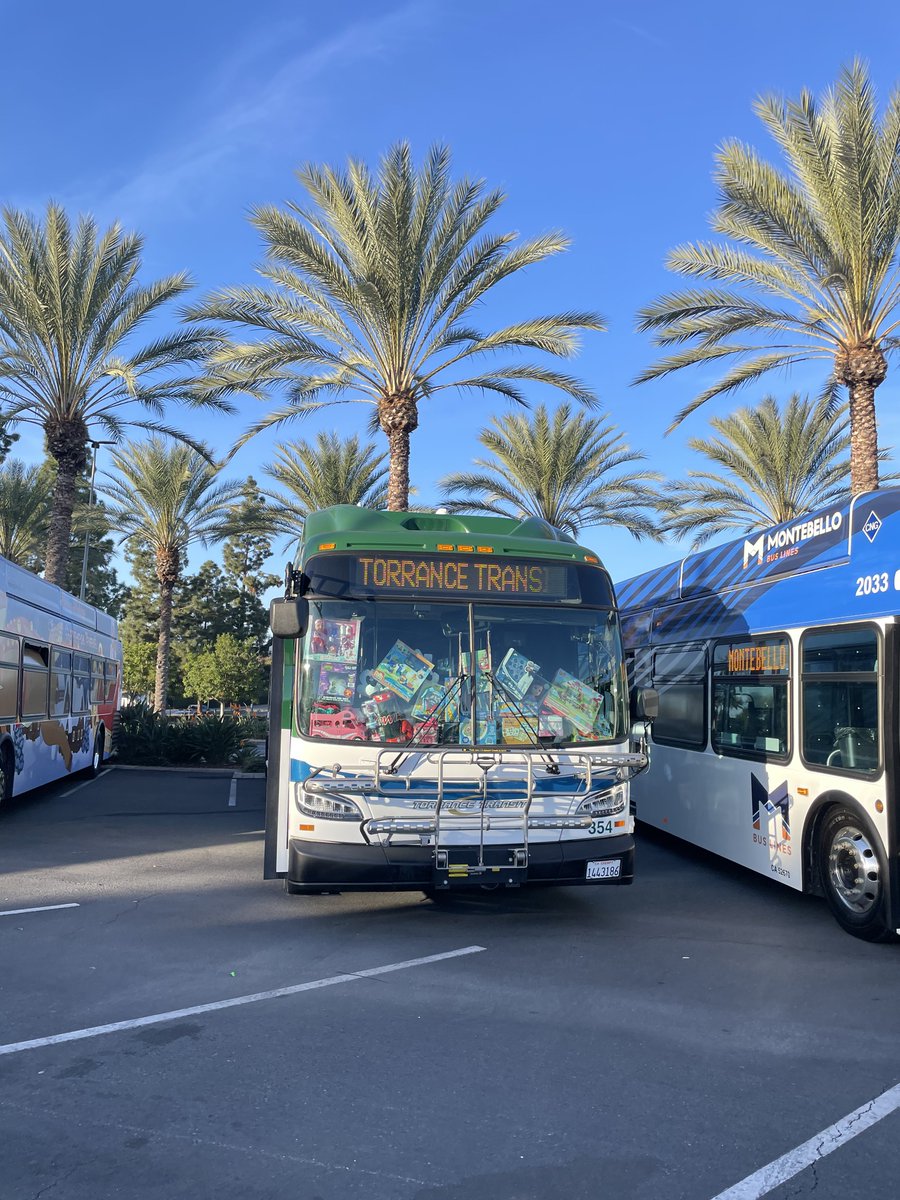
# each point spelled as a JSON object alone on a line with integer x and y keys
{"x": 471, "y": 576}
{"x": 393, "y": 573}
{"x": 758, "y": 656}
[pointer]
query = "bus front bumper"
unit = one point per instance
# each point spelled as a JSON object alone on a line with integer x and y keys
{"x": 317, "y": 866}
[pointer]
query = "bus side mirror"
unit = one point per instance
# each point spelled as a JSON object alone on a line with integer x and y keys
{"x": 644, "y": 704}
{"x": 289, "y": 617}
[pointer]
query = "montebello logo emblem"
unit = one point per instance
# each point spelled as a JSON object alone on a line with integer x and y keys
{"x": 773, "y": 804}
{"x": 872, "y": 525}
{"x": 769, "y": 547}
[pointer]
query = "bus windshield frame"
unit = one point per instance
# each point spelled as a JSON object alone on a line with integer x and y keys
{"x": 395, "y": 671}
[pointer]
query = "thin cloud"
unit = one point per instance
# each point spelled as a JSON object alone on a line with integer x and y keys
{"x": 254, "y": 116}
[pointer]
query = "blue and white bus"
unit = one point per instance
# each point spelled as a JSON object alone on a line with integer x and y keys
{"x": 776, "y": 659}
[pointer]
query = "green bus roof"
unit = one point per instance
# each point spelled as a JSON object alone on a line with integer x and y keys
{"x": 349, "y": 527}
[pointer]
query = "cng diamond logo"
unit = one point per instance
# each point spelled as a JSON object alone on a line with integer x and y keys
{"x": 872, "y": 525}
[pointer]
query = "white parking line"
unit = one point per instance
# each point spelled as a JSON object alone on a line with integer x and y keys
{"x": 767, "y": 1178}
{"x": 157, "y": 1018}
{"x": 232, "y": 791}
{"x": 13, "y": 912}
{"x": 79, "y": 786}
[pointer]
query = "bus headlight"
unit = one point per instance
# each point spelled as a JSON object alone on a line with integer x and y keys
{"x": 327, "y": 808}
{"x": 605, "y": 804}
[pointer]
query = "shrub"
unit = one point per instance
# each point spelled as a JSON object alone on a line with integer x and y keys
{"x": 146, "y": 738}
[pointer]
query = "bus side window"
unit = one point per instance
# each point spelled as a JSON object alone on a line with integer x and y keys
{"x": 840, "y": 699}
{"x": 679, "y": 675}
{"x": 111, "y": 673}
{"x": 98, "y": 686}
{"x": 35, "y": 681}
{"x": 9, "y": 676}
{"x": 81, "y": 683}
{"x": 60, "y": 683}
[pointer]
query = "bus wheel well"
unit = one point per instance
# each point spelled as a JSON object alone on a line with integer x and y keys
{"x": 818, "y": 815}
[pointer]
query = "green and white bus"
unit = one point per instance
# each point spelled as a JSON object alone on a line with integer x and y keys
{"x": 448, "y": 708}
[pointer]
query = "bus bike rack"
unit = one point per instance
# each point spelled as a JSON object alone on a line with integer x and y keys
{"x": 501, "y": 863}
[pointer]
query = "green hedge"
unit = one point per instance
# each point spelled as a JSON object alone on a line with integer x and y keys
{"x": 146, "y": 738}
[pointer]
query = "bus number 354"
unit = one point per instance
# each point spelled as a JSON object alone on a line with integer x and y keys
{"x": 599, "y": 826}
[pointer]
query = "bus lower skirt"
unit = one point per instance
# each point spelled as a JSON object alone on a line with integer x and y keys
{"x": 330, "y": 866}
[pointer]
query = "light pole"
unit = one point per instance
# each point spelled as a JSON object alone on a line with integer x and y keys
{"x": 87, "y": 533}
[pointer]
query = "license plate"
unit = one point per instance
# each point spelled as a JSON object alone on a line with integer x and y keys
{"x": 607, "y": 868}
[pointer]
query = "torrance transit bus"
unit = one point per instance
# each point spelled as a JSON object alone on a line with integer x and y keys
{"x": 776, "y": 659}
{"x": 448, "y": 709}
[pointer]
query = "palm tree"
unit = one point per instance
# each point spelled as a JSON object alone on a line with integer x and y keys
{"x": 561, "y": 469}
{"x": 814, "y": 270}
{"x": 775, "y": 466}
{"x": 69, "y": 300}
{"x": 370, "y": 297}
{"x": 25, "y": 497}
{"x": 165, "y": 497}
{"x": 333, "y": 471}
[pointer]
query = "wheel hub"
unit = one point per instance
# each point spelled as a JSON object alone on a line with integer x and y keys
{"x": 853, "y": 870}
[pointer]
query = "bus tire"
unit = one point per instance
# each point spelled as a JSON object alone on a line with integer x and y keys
{"x": 853, "y": 875}
{"x": 97, "y": 752}
{"x": 7, "y": 772}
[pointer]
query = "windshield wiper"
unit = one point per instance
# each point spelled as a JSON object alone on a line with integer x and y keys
{"x": 550, "y": 763}
{"x": 430, "y": 715}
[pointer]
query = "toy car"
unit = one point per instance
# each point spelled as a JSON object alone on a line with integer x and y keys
{"x": 343, "y": 724}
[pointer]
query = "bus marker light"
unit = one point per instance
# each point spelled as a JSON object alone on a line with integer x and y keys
{"x": 326, "y": 545}
{"x": 306, "y": 828}
{"x": 802, "y": 791}
{"x": 485, "y": 549}
{"x": 618, "y": 824}
{"x": 879, "y": 806}
{"x": 466, "y": 549}
{"x": 591, "y": 559}
{"x": 444, "y": 546}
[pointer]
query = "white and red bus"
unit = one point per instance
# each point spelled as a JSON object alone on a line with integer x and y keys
{"x": 60, "y": 677}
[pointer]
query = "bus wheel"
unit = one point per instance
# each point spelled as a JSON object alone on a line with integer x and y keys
{"x": 97, "y": 753}
{"x": 853, "y": 876}
{"x": 7, "y": 769}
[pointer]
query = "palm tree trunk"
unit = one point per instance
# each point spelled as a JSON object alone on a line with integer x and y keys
{"x": 398, "y": 476}
{"x": 67, "y": 444}
{"x": 398, "y": 416}
{"x": 862, "y": 368}
{"x": 166, "y": 588}
{"x": 863, "y": 438}
{"x": 57, "y": 555}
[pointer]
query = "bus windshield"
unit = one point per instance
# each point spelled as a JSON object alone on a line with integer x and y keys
{"x": 392, "y": 672}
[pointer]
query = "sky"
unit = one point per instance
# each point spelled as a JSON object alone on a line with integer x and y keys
{"x": 596, "y": 118}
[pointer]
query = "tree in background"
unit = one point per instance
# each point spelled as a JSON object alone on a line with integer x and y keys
{"x": 333, "y": 470}
{"x": 230, "y": 672}
{"x": 6, "y": 440}
{"x": 70, "y": 304}
{"x": 165, "y": 497}
{"x": 244, "y": 557}
{"x": 774, "y": 465}
{"x": 562, "y": 468}
{"x": 812, "y": 268}
{"x": 370, "y": 294}
{"x": 25, "y": 498}
{"x": 138, "y": 668}
{"x": 26, "y": 495}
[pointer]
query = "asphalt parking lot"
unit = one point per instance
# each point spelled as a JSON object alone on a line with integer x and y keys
{"x": 662, "y": 1041}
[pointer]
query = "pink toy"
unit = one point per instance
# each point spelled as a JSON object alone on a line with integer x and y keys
{"x": 426, "y": 732}
{"x": 344, "y": 725}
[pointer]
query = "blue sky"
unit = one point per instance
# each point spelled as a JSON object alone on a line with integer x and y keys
{"x": 599, "y": 119}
